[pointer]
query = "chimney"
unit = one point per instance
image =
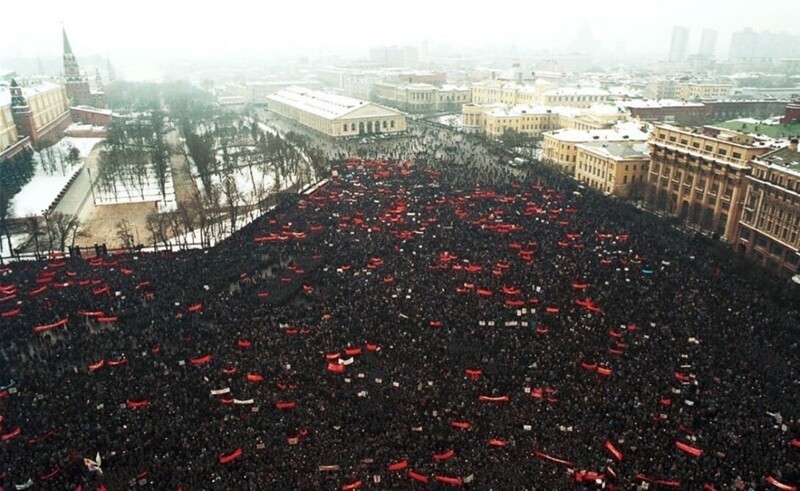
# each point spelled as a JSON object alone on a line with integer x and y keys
{"x": 793, "y": 144}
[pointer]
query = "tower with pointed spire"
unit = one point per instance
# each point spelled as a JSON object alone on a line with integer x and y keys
{"x": 77, "y": 86}
{"x": 21, "y": 113}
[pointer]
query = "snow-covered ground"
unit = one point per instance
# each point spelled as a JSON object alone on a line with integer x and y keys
{"x": 453, "y": 120}
{"x": 149, "y": 191}
{"x": 47, "y": 183}
{"x": 247, "y": 187}
{"x": 771, "y": 121}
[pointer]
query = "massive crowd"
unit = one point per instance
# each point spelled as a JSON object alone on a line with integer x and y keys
{"x": 407, "y": 325}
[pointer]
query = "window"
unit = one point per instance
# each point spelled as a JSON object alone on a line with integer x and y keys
{"x": 722, "y": 151}
{"x": 745, "y": 234}
{"x": 737, "y": 155}
{"x": 696, "y": 144}
{"x": 708, "y": 148}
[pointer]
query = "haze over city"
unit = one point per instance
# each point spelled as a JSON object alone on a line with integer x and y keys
{"x": 168, "y": 30}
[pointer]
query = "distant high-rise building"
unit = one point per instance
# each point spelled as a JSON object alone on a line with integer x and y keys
{"x": 679, "y": 44}
{"x": 751, "y": 45}
{"x": 708, "y": 43}
{"x": 743, "y": 44}
{"x": 395, "y": 56}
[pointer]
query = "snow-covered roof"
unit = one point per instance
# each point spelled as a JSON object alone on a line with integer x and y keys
{"x": 519, "y": 110}
{"x": 577, "y": 91}
{"x": 95, "y": 110}
{"x": 621, "y": 132}
{"x": 648, "y": 103}
{"x": 30, "y": 91}
{"x": 451, "y": 87}
{"x": 617, "y": 150}
{"x": 323, "y": 104}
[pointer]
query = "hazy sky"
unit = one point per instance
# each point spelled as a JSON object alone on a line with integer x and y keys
{"x": 167, "y": 29}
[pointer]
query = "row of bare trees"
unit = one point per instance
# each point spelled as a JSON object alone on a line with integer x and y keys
{"x": 237, "y": 146}
{"x": 135, "y": 149}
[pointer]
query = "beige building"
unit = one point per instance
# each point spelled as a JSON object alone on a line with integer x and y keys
{"x": 532, "y": 120}
{"x": 698, "y": 174}
{"x": 421, "y": 97}
{"x": 335, "y": 115}
{"x": 769, "y": 227}
{"x": 574, "y": 97}
{"x": 46, "y": 106}
{"x": 48, "y": 101}
{"x": 8, "y": 130}
{"x": 510, "y": 93}
{"x": 696, "y": 91}
{"x": 560, "y": 148}
{"x": 615, "y": 168}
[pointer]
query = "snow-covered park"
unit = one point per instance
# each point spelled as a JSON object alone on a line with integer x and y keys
{"x": 136, "y": 191}
{"x": 52, "y": 173}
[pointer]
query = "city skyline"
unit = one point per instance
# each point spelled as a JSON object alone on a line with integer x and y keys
{"x": 165, "y": 31}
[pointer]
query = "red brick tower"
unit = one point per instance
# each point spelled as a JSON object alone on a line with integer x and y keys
{"x": 77, "y": 86}
{"x": 22, "y": 114}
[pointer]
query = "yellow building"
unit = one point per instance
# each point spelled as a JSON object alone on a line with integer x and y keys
{"x": 769, "y": 227}
{"x": 48, "y": 101}
{"x": 574, "y": 97}
{"x": 510, "y": 93}
{"x": 494, "y": 119}
{"x": 335, "y": 115}
{"x": 528, "y": 120}
{"x": 698, "y": 174}
{"x": 695, "y": 91}
{"x": 42, "y": 115}
{"x": 615, "y": 168}
{"x": 560, "y": 148}
{"x": 421, "y": 97}
{"x": 8, "y": 130}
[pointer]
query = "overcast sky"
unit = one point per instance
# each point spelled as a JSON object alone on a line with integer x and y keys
{"x": 166, "y": 29}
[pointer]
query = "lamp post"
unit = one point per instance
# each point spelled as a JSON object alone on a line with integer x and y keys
{"x": 91, "y": 185}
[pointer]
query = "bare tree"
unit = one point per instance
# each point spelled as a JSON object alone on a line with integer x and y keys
{"x": 61, "y": 228}
{"x": 35, "y": 230}
{"x": 123, "y": 232}
{"x": 157, "y": 225}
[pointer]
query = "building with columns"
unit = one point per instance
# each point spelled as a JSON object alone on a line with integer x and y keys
{"x": 335, "y": 115}
{"x": 769, "y": 226}
{"x": 700, "y": 175}
{"x": 421, "y": 97}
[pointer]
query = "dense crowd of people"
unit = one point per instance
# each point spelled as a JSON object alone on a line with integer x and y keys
{"x": 406, "y": 325}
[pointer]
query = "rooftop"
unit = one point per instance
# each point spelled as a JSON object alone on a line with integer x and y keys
{"x": 618, "y": 150}
{"x": 661, "y": 103}
{"x": 577, "y": 91}
{"x": 519, "y": 110}
{"x": 324, "y": 104}
{"x": 784, "y": 157}
{"x": 621, "y": 132}
{"x": 30, "y": 91}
